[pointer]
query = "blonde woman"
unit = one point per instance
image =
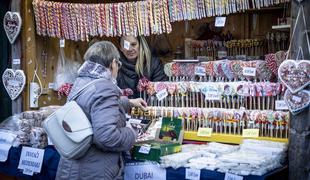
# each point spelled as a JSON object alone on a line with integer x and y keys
{"x": 138, "y": 62}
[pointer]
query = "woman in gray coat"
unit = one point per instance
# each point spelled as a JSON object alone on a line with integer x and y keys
{"x": 106, "y": 110}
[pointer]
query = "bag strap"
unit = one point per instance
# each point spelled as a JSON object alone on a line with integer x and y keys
{"x": 83, "y": 89}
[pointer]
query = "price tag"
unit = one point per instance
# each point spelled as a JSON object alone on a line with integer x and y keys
{"x": 50, "y": 85}
{"x": 229, "y": 176}
{"x": 31, "y": 159}
{"x": 62, "y": 43}
{"x": 296, "y": 98}
{"x": 222, "y": 54}
{"x": 249, "y": 71}
{"x": 6, "y": 141}
{"x": 126, "y": 45}
{"x": 162, "y": 94}
{"x": 204, "y": 132}
{"x": 135, "y": 121}
{"x": 250, "y": 133}
{"x": 16, "y": 61}
{"x": 145, "y": 149}
{"x": 192, "y": 174}
{"x": 212, "y": 95}
{"x": 200, "y": 71}
{"x": 281, "y": 105}
{"x": 220, "y": 21}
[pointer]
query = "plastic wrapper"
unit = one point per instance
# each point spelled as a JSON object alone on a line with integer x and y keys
{"x": 66, "y": 71}
{"x": 178, "y": 160}
{"x": 38, "y": 138}
{"x": 28, "y": 127}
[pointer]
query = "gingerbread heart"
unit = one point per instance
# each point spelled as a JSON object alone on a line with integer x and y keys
{"x": 12, "y": 23}
{"x": 296, "y": 102}
{"x": 14, "y": 82}
{"x": 295, "y": 75}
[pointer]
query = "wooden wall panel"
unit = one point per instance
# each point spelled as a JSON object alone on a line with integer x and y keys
{"x": 240, "y": 25}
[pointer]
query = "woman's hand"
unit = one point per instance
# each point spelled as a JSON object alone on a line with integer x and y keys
{"x": 139, "y": 103}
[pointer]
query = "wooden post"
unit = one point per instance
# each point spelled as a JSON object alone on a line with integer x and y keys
{"x": 299, "y": 147}
{"x": 16, "y": 54}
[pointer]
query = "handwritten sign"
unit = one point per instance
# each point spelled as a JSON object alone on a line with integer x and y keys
{"x": 192, "y": 174}
{"x": 145, "y": 149}
{"x": 281, "y": 105}
{"x": 31, "y": 160}
{"x": 250, "y": 133}
{"x": 126, "y": 45}
{"x": 204, "y": 132}
{"x": 62, "y": 43}
{"x": 6, "y": 141}
{"x": 220, "y": 21}
{"x": 200, "y": 71}
{"x": 229, "y": 176}
{"x": 162, "y": 94}
{"x": 249, "y": 71}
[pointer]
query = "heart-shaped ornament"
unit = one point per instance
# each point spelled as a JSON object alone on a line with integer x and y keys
{"x": 298, "y": 101}
{"x": 12, "y": 23}
{"x": 295, "y": 75}
{"x": 14, "y": 82}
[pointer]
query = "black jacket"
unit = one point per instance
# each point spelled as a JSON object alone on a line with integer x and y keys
{"x": 128, "y": 78}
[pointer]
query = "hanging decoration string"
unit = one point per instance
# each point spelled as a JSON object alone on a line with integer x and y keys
{"x": 77, "y": 21}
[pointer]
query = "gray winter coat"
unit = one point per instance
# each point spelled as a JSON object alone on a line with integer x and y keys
{"x": 106, "y": 110}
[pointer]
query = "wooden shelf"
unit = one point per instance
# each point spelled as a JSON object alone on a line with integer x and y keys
{"x": 282, "y": 27}
{"x": 226, "y": 138}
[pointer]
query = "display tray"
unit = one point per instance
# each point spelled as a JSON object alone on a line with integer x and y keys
{"x": 179, "y": 174}
{"x": 226, "y": 138}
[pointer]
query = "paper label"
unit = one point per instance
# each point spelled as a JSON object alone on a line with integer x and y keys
{"x": 229, "y": 176}
{"x": 222, "y": 54}
{"x": 200, "y": 71}
{"x": 50, "y": 85}
{"x": 31, "y": 159}
{"x": 220, "y": 21}
{"x": 126, "y": 45}
{"x": 249, "y": 71}
{"x": 62, "y": 43}
{"x": 6, "y": 141}
{"x": 212, "y": 94}
{"x": 145, "y": 149}
{"x": 135, "y": 121}
{"x": 16, "y": 61}
{"x": 28, "y": 172}
{"x": 204, "y": 132}
{"x": 281, "y": 105}
{"x": 250, "y": 133}
{"x": 144, "y": 171}
{"x": 192, "y": 174}
{"x": 296, "y": 98}
{"x": 162, "y": 94}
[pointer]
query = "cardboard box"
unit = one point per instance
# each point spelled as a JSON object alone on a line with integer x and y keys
{"x": 168, "y": 141}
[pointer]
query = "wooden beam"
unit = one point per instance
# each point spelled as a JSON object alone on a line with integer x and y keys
{"x": 16, "y": 53}
{"x": 299, "y": 143}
